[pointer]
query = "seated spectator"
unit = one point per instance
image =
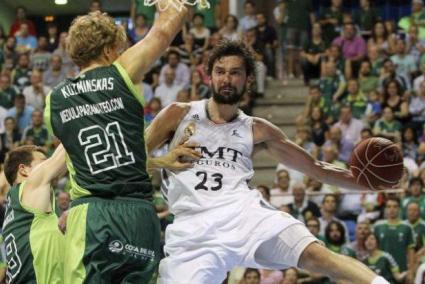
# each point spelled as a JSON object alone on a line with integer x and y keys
{"x": 302, "y": 209}
{"x": 230, "y": 28}
{"x": 8, "y": 92}
{"x": 153, "y": 107}
{"x": 21, "y": 112}
{"x": 410, "y": 143}
{"x": 416, "y": 18}
{"x": 379, "y": 39}
{"x": 388, "y": 74}
{"x": 366, "y": 17}
{"x": 281, "y": 195}
{"x": 311, "y": 55}
{"x": 419, "y": 80}
{"x": 335, "y": 239}
{"x": 249, "y": 20}
{"x": 417, "y": 223}
{"x": 319, "y": 128}
{"x": 167, "y": 91}
{"x": 140, "y": 29}
{"x": 316, "y": 190}
{"x": 181, "y": 70}
{"x": 21, "y": 17}
{"x": 267, "y": 35}
{"x": 188, "y": 51}
{"x": 393, "y": 98}
{"x": 353, "y": 47}
{"x": 198, "y": 90}
{"x": 345, "y": 146}
{"x": 368, "y": 81}
{"x": 313, "y": 100}
{"x": 183, "y": 96}
{"x": 333, "y": 53}
{"x": 417, "y": 108}
{"x": 394, "y": 236}
{"x": 9, "y": 52}
{"x": 366, "y": 133}
{"x": 52, "y": 37}
{"x": 55, "y": 74}
{"x": 24, "y": 41}
{"x": 331, "y": 21}
{"x": 349, "y": 125}
{"x": 257, "y": 47}
{"x": 202, "y": 67}
{"x": 251, "y": 276}
{"x": 67, "y": 63}
{"x": 382, "y": 262}
{"x": 303, "y": 139}
{"x": 414, "y": 194}
{"x": 40, "y": 57}
{"x": 356, "y": 99}
{"x": 37, "y": 130}
{"x": 358, "y": 245}
{"x": 328, "y": 211}
{"x": 373, "y": 108}
{"x": 265, "y": 191}
{"x": 387, "y": 126}
{"x": 332, "y": 86}
{"x": 199, "y": 31}
{"x": 376, "y": 60}
{"x": 406, "y": 64}
{"x": 22, "y": 72}
{"x": 36, "y": 93}
{"x": 414, "y": 46}
{"x": 313, "y": 225}
{"x": 10, "y": 139}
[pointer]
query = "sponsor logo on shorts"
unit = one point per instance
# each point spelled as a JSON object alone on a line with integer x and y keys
{"x": 118, "y": 247}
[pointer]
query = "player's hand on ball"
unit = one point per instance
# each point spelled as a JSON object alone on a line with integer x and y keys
{"x": 182, "y": 157}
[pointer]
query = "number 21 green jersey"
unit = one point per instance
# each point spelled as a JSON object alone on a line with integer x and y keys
{"x": 98, "y": 116}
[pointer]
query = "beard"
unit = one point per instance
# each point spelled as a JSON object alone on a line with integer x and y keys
{"x": 227, "y": 95}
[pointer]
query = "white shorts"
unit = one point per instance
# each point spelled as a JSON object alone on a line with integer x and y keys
{"x": 202, "y": 248}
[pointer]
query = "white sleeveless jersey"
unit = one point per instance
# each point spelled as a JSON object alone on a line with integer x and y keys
{"x": 222, "y": 175}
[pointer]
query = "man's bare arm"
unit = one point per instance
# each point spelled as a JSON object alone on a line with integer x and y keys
{"x": 138, "y": 59}
{"x": 295, "y": 157}
{"x": 37, "y": 191}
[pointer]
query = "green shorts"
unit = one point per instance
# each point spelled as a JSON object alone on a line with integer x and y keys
{"x": 111, "y": 241}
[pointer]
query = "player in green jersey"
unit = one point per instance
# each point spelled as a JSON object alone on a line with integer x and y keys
{"x": 396, "y": 237}
{"x": 33, "y": 242}
{"x": 113, "y": 232}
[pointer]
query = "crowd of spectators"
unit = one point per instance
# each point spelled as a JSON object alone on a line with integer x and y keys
{"x": 365, "y": 73}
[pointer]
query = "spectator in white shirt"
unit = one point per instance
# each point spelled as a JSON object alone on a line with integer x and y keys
{"x": 350, "y": 127}
{"x": 168, "y": 90}
{"x": 36, "y": 93}
{"x": 248, "y": 21}
{"x": 181, "y": 70}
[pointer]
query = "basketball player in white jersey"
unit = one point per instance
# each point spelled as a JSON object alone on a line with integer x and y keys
{"x": 220, "y": 222}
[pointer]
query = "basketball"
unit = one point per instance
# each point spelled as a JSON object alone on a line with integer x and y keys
{"x": 376, "y": 163}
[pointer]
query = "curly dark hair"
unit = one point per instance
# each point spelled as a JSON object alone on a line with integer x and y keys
{"x": 232, "y": 48}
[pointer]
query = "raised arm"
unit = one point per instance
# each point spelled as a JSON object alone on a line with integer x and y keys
{"x": 138, "y": 59}
{"x": 287, "y": 152}
{"x": 37, "y": 191}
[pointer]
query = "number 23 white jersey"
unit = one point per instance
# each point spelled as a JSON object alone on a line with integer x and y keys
{"x": 221, "y": 176}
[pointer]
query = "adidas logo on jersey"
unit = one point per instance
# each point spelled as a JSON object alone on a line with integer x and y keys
{"x": 195, "y": 117}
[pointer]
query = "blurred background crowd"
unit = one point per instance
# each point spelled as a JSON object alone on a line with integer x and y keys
{"x": 362, "y": 63}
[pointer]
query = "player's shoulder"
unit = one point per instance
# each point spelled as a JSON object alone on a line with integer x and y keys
{"x": 265, "y": 130}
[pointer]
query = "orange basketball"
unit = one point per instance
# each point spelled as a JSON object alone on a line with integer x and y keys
{"x": 377, "y": 162}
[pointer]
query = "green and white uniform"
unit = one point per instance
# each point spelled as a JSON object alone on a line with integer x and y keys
{"x": 384, "y": 265}
{"x": 33, "y": 242}
{"x": 113, "y": 232}
{"x": 395, "y": 239}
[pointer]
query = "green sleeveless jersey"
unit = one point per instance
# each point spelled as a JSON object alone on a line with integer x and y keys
{"x": 33, "y": 242}
{"x": 98, "y": 116}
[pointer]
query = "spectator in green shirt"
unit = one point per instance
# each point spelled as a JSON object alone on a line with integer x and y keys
{"x": 138, "y": 7}
{"x": 388, "y": 126}
{"x": 415, "y": 194}
{"x": 332, "y": 86}
{"x": 382, "y": 262}
{"x": 366, "y": 17}
{"x": 356, "y": 99}
{"x": 396, "y": 237}
{"x": 335, "y": 239}
{"x": 367, "y": 79}
{"x": 417, "y": 223}
{"x": 7, "y": 92}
